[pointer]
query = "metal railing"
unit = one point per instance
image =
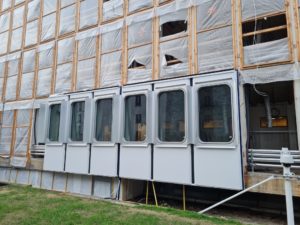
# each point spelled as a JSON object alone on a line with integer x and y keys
{"x": 37, "y": 151}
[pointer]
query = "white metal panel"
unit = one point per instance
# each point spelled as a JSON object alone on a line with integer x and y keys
{"x": 77, "y": 158}
{"x": 218, "y": 165}
{"x": 104, "y": 160}
{"x": 54, "y": 159}
{"x": 173, "y": 160}
{"x": 135, "y": 157}
{"x": 135, "y": 162}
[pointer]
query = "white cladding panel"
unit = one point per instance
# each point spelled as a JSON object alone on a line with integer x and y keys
{"x": 54, "y": 159}
{"x": 77, "y": 159}
{"x": 104, "y": 160}
{"x": 135, "y": 162}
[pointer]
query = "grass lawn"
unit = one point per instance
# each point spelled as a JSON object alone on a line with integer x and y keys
{"x": 26, "y": 205}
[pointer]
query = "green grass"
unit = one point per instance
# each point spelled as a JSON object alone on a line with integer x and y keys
{"x": 29, "y": 206}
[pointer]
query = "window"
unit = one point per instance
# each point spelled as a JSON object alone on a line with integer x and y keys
{"x": 171, "y": 116}
{"x": 264, "y": 30}
{"x": 215, "y": 114}
{"x": 54, "y": 122}
{"x": 104, "y": 119}
{"x": 135, "y": 118}
{"x": 77, "y": 122}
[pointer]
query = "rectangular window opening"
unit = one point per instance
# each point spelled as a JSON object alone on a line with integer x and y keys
{"x": 265, "y": 29}
{"x": 104, "y": 120}
{"x": 171, "y": 120}
{"x": 54, "y": 123}
{"x": 174, "y": 27}
{"x": 215, "y": 114}
{"x": 135, "y": 118}
{"x": 77, "y": 123}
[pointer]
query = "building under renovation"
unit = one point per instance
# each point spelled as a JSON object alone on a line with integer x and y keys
{"x": 99, "y": 97}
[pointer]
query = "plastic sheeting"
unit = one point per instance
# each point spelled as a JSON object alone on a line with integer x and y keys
{"x": 43, "y": 87}
{"x": 27, "y": 85}
{"x": 4, "y": 175}
{"x": 19, "y": 1}
{"x": 6, "y": 4}
{"x": 134, "y": 5}
{"x": 67, "y": 19}
{"x": 47, "y": 180}
{"x": 63, "y": 78}
{"x": 49, "y": 6}
{"x": 88, "y": 13}
{"x": 28, "y": 61}
{"x": 3, "y": 42}
{"x": 19, "y": 162}
{"x": 112, "y": 36}
{"x": 48, "y": 27}
{"x": 112, "y": 9}
{"x": 65, "y": 50}
{"x": 18, "y": 17}
{"x": 255, "y": 8}
{"x": 267, "y": 52}
{"x": 142, "y": 55}
{"x": 215, "y": 50}
{"x": 86, "y": 71}
{"x": 16, "y": 38}
{"x": 5, "y": 141}
{"x": 33, "y": 10}
{"x": 270, "y": 74}
{"x": 87, "y": 48}
{"x": 111, "y": 65}
{"x": 139, "y": 28}
{"x": 12, "y": 79}
{"x": 22, "y": 177}
{"x": 212, "y": 13}
{"x": 177, "y": 48}
{"x": 31, "y": 33}
{"x": 46, "y": 53}
{"x": 4, "y": 22}
{"x": 64, "y": 3}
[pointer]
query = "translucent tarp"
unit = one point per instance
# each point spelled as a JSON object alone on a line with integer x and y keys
{"x": 63, "y": 78}
{"x": 65, "y": 50}
{"x": 88, "y": 13}
{"x": 64, "y": 3}
{"x": 212, "y": 13}
{"x": 112, "y": 9}
{"x": 49, "y": 6}
{"x": 6, "y": 4}
{"x": 24, "y": 104}
{"x": 3, "y": 42}
{"x": 18, "y": 162}
{"x": 111, "y": 65}
{"x": 215, "y": 50}
{"x": 87, "y": 48}
{"x": 16, "y": 38}
{"x": 5, "y": 141}
{"x": 44, "y": 78}
{"x": 255, "y": 8}
{"x": 19, "y": 1}
{"x": 11, "y": 88}
{"x": 270, "y": 74}
{"x": 272, "y": 51}
{"x": 4, "y": 22}
{"x": 86, "y": 70}
{"x": 143, "y": 56}
{"x": 18, "y": 17}
{"x": 27, "y": 85}
{"x": 178, "y": 49}
{"x": 28, "y": 61}
{"x": 13, "y": 70}
{"x": 140, "y": 28}
{"x": 23, "y": 117}
{"x": 173, "y": 16}
{"x": 48, "y": 27}
{"x": 134, "y": 5}
{"x": 31, "y": 33}
{"x": 33, "y": 10}
{"x": 67, "y": 19}
{"x": 1, "y": 87}
{"x": 46, "y": 53}
{"x": 111, "y": 36}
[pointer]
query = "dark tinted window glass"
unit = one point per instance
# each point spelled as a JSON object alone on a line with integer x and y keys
{"x": 77, "y": 121}
{"x": 171, "y": 116}
{"x": 215, "y": 115}
{"x": 135, "y": 118}
{"x": 104, "y": 120}
{"x": 54, "y": 122}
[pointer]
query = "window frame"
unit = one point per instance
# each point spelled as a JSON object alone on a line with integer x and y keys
{"x": 186, "y": 112}
{"x": 96, "y": 100}
{"x": 233, "y": 108}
